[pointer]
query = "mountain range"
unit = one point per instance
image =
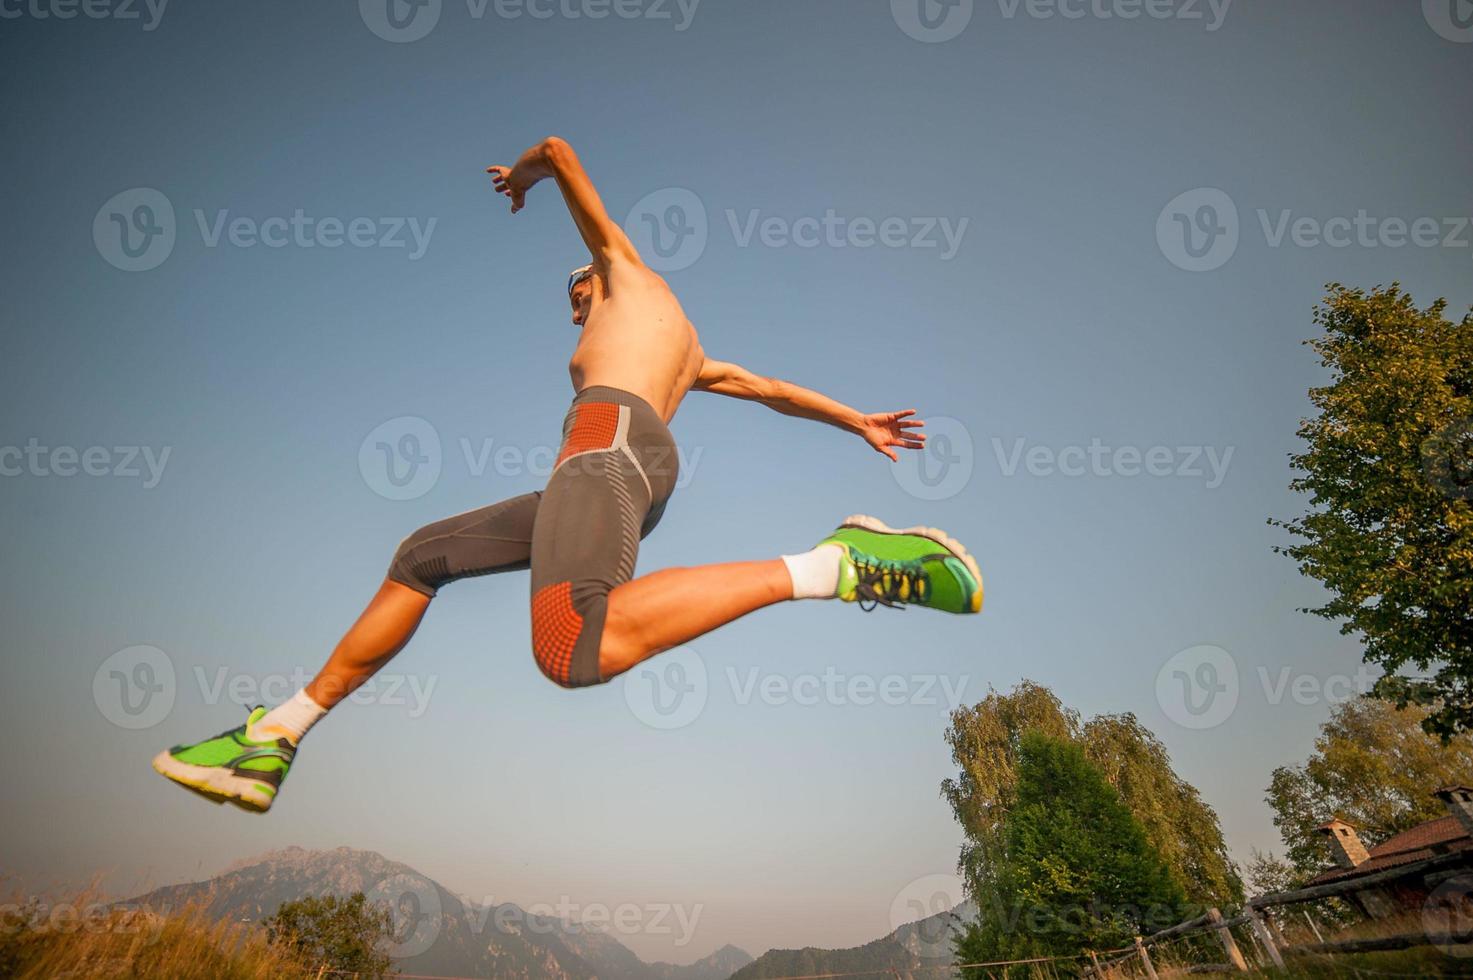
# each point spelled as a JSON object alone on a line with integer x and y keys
{"x": 441, "y": 934}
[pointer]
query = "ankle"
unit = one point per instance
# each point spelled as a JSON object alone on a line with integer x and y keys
{"x": 815, "y": 573}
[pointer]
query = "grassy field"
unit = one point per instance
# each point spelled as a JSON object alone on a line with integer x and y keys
{"x": 83, "y": 939}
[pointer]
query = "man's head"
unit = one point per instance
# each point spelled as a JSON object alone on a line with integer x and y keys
{"x": 580, "y": 293}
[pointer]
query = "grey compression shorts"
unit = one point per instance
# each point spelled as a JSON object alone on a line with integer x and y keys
{"x": 580, "y": 536}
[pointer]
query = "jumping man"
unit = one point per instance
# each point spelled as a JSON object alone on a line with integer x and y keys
{"x": 637, "y": 356}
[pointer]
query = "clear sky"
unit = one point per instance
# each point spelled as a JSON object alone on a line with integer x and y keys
{"x": 1121, "y": 399}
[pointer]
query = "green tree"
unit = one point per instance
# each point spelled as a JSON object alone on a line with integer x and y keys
{"x": 1076, "y": 871}
{"x": 985, "y": 740}
{"x": 1389, "y": 474}
{"x": 342, "y": 933}
{"x": 1373, "y": 766}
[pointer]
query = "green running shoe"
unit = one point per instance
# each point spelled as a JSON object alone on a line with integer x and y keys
{"x": 231, "y": 767}
{"x": 917, "y": 566}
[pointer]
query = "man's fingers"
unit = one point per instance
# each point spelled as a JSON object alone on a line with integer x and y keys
{"x": 891, "y": 453}
{"x": 912, "y": 424}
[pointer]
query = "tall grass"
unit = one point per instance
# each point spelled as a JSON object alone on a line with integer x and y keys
{"x": 85, "y": 937}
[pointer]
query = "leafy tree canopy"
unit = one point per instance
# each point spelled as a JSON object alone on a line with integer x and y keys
{"x": 1388, "y": 469}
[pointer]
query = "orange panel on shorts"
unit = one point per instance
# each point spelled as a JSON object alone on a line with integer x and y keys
{"x": 595, "y": 424}
{"x": 555, "y": 629}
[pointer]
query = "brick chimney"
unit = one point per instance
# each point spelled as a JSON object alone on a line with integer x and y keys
{"x": 1345, "y": 845}
{"x": 1459, "y": 802}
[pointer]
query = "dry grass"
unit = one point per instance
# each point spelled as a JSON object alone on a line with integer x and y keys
{"x": 88, "y": 938}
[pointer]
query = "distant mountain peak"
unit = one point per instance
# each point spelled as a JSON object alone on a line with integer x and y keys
{"x": 447, "y": 935}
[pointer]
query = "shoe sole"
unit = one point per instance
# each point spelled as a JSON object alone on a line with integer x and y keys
{"x": 867, "y": 523}
{"x": 214, "y": 784}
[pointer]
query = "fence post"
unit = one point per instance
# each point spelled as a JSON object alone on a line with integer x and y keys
{"x": 1096, "y": 961}
{"x": 1265, "y": 937}
{"x": 1140, "y": 949}
{"x": 1310, "y": 919}
{"x": 1234, "y": 955}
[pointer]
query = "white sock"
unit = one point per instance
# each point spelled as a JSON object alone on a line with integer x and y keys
{"x": 815, "y": 573}
{"x": 290, "y": 720}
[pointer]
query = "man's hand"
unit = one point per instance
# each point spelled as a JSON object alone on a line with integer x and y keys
{"x": 886, "y": 430}
{"x": 513, "y": 183}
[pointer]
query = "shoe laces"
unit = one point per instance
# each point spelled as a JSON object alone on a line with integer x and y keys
{"x": 889, "y": 583}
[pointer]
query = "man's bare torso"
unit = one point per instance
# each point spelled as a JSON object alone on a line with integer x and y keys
{"x": 637, "y": 338}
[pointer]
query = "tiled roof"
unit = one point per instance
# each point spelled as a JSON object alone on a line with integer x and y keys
{"x": 1417, "y": 844}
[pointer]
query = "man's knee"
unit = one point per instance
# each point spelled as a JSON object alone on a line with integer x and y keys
{"x": 567, "y": 633}
{"x": 418, "y": 566}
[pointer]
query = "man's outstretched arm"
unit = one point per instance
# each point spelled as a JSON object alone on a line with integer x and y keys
{"x": 884, "y": 431}
{"x": 554, "y": 158}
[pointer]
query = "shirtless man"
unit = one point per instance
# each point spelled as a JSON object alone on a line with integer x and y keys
{"x": 637, "y": 357}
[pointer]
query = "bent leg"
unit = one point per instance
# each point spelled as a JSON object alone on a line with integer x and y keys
{"x": 667, "y": 608}
{"x": 490, "y": 539}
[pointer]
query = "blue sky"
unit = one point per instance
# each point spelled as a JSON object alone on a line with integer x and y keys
{"x": 827, "y": 152}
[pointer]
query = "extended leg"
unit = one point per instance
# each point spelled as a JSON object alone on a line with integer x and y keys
{"x": 497, "y": 538}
